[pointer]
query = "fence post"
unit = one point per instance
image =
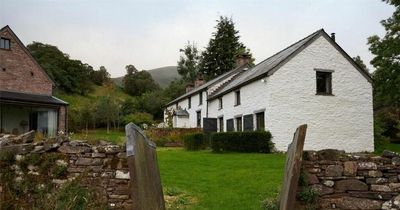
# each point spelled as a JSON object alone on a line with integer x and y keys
{"x": 292, "y": 169}
{"x": 145, "y": 178}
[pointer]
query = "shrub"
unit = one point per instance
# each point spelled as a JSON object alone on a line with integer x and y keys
{"x": 169, "y": 136}
{"x": 138, "y": 118}
{"x": 253, "y": 141}
{"x": 194, "y": 141}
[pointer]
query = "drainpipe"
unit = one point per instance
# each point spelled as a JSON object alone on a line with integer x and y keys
{"x": 207, "y": 103}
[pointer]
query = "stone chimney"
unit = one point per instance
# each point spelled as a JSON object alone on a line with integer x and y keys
{"x": 189, "y": 87}
{"x": 333, "y": 37}
{"x": 242, "y": 59}
{"x": 199, "y": 82}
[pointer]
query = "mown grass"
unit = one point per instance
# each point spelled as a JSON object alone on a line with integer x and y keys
{"x": 389, "y": 146}
{"x": 222, "y": 181}
{"x": 115, "y": 136}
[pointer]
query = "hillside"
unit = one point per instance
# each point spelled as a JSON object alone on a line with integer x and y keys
{"x": 163, "y": 76}
{"x": 76, "y": 101}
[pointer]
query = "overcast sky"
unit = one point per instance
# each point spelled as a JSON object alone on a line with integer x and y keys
{"x": 149, "y": 34}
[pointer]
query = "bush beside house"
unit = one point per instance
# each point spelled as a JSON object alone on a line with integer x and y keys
{"x": 195, "y": 141}
{"x": 255, "y": 141}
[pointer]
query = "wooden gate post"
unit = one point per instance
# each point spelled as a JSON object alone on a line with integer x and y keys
{"x": 292, "y": 169}
{"x": 145, "y": 178}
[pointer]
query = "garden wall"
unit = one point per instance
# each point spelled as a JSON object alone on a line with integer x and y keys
{"x": 43, "y": 168}
{"x": 331, "y": 179}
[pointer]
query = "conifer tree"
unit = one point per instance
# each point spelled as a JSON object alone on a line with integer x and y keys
{"x": 220, "y": 54}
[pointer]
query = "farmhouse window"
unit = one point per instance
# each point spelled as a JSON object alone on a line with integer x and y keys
{"x": 221, "y": 124}
{"x": 198, "y": 114}
{"x": 248, "y": 122}
{"x": 189, "y": 102}
{"x": 4, "y": 43}
{"x": 229, "y": 125}
{"x": 220, "y": 105}
{"x": 200, "y": 98}
{"x": 239, "y": 124}
{"x": 237, "y": 98}
{"x": 324, "y": 83}
{"x": 260, "y": 121}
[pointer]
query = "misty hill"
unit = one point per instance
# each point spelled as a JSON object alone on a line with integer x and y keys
{"x": 163, "y": 76}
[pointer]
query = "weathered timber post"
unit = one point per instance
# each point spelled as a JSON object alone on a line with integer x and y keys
{"x": 145, "y": 178}
{"x": 292, "y": 169}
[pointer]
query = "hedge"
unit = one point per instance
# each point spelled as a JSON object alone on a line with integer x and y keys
{"x": 251, "y": 141}
{"x": 194, "y": 141}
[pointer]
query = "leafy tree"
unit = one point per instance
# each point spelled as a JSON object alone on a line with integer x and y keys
{"x": 128, "y": 106}
{"x": 107, "y": 111}
{"x": 100, "y": 76}
{"x": 130, "y": 69}
{"x": 360, "y": 62}
{"x": 69, "y": 75}
{"x": 222, "y": 50}
{"x": 86, "y": 116}
{"x": 138, "y": 82}
{"x": 387, "y": 78}
{"x": 175, "y": 89}
{"x": 152, "y": 103}
{"x": 387, "y": 61}
{"x": 139, "y": 118}
{"x": 188, "y": 64}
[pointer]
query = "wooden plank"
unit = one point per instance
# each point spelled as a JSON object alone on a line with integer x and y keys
{"x": 145, "y": 184}
{"x": 292, "y": 169}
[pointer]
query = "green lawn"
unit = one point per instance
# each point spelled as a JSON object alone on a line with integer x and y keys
{"x": 116, "y": 137}
{"x": 391, "y": 147}
{"x": 221, "y": 181}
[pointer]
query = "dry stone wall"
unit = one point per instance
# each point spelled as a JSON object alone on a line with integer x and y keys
{"x": 349, "y": 181}
{"x": 102, "y": 167}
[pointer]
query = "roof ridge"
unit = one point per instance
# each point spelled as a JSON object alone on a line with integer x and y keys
{"x": 312, "y": 34}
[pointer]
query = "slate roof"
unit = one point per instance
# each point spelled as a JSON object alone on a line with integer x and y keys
{"x": 14, "y": 97}
{"x": 182, "y": 113}
{"x": 273, "y": 63}
{"x": 209, "y": 83}
{"x": 267, "y": 67}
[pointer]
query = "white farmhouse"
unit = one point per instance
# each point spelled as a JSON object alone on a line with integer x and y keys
{"x": 313, "y": 81}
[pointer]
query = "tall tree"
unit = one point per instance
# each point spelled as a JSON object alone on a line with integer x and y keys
{"x": 387, "y": 79}
{"x": 360, "y": 62}
{"x": 71, "y": 76}
{"x": 138, "y": 82}
{"x": 387, "y": 60}
{"x": 100, "y": 76}
{"x": 188, "y": 64}
{"x": 220, "y": 54}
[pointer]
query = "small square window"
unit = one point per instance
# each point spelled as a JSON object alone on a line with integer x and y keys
{"x": 237, "y": 98}
{"x": 4, "y": 43}
{"x": 324, "y": 83}
{"x": 220, "y": 105}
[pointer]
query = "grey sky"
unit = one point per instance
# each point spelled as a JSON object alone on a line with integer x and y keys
{"x": 149, "y": 34}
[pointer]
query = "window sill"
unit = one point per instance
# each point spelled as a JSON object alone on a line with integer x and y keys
{"x": 236, "y": 105}
{"x": 324, "y": 94}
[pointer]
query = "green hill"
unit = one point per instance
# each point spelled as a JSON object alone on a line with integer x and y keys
{"x": 163, "y": 76}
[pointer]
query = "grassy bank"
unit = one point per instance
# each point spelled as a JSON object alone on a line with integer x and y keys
{"x": 221, "y": 181}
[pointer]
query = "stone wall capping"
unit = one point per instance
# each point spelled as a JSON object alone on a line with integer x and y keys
{"x": 353, "y": 180}
{"x": 102, "y": 166}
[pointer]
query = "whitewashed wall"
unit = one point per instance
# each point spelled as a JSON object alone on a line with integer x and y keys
{"x": 190, "y": 122}
{"x": 343, "y": 121}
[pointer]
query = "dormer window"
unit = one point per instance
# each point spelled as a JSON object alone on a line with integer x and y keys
{"x": 4, "y": 43}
